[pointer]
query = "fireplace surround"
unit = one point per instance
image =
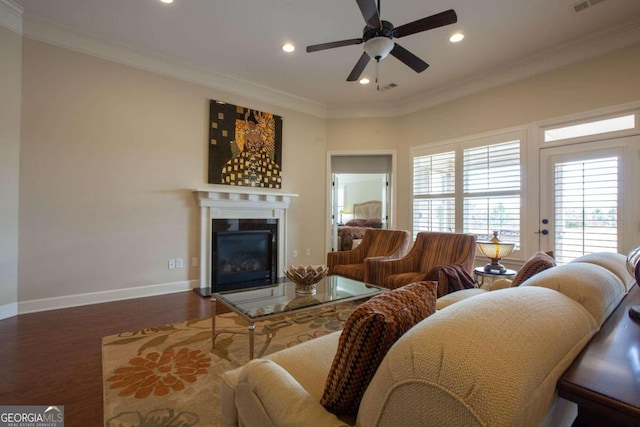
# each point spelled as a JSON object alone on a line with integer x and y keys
{"x": 238, "y": 203}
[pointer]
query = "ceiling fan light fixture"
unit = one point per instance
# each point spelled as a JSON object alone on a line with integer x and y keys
{"x": 378, "y": 47}
{"x": 364, "y": 81}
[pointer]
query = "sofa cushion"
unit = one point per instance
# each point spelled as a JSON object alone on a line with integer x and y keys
{"x": 596, "y": 288}
{"x": 368, "y": 334}
{"x": 490, "y": 360}
{"x": 352, "y": 271}
{"x": 540, "y": 261}
{"x": 454, "y": 297}
{"x": 395, "y": 281}
{"x": 614, "y": 262}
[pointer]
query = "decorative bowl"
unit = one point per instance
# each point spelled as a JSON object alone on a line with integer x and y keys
{"x": 306, "y": 278}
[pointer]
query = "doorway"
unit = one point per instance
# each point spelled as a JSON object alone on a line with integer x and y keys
{"x": 360, "y": 190}
{"x": 588, "y": 197}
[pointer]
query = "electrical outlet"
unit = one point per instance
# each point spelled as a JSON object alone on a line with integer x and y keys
{"x": 295, "y": 253}
{"x": 308, "y": 251}
{"x": 194, "y": 261}
{"x": 179, "y": 263}
{"x": 172, "y": 264}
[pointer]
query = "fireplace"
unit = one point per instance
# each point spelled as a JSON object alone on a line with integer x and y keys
{"x": 244, "y": 253}
{"x": 240, "y": 209}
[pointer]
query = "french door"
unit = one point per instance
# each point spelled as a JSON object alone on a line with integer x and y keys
{"x": 589, "y": 198}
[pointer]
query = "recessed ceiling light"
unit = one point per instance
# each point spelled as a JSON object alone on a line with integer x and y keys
{"x": 167, "y": 1}
{"x": 455, "y": 38}
{"x": 364, "y": 81}
{"x": 288, "y": 47}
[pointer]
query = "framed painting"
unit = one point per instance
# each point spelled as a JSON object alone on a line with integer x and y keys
{"x": 245, "y": 146}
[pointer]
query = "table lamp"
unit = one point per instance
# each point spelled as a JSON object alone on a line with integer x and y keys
{"x": 495, "y": 250}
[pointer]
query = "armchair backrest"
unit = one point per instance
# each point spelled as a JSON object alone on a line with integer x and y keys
{"x": 446, "y": 248}
{"x": 380, "y": 242}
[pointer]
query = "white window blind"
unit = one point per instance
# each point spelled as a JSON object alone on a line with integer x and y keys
{"x": 434, "y": 192}
{"x": 491, "y": 181}
{"x": 472, "y": 187}
{"x": 586, "y": 207}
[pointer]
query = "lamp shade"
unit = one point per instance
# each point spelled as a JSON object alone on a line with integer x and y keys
{"x": 378, "y": 47}
{"x": 495, "y": 250}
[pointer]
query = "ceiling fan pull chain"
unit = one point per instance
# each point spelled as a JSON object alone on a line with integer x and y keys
{"x": 377, "y": 74}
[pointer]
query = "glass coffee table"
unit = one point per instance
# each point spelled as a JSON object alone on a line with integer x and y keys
{"x": 264, "y": 303}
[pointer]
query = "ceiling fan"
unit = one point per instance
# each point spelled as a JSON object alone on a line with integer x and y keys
{"x": 378, "y": 36}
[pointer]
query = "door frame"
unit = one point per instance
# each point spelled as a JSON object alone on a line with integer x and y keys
{"x": 619, "y": 147}
{"x": 392, "y": 198}
{"x": 536, "y": 176}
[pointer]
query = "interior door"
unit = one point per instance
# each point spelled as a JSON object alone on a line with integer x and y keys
{"x": 587, "y": 198}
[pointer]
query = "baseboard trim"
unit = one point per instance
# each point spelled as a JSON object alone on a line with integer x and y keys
{"x": 68, "y": 301}
{"x": 9, "y": 310}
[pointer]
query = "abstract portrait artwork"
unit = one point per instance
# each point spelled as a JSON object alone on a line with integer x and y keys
{"x": 245, "y": 146}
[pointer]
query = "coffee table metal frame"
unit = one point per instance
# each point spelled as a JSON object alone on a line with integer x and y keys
{"x": 268, "y": 302}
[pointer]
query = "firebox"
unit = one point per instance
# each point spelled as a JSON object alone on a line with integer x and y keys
{"x": 241, "y": 259}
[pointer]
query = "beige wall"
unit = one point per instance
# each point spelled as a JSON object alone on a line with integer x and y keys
{"x": 603, "y": 81}
{"x": 606, "y": 80}
{"x": 10, "y": 108}
{"x": 110, "y": 155}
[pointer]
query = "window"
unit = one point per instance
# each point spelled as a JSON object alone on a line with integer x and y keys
{"x": 472, "y": 187}
{"x": 586, "y": 207}
{"x": 591, "y": 128}
{"x": 433, "y": 190}
{"x": 491, "y": 177}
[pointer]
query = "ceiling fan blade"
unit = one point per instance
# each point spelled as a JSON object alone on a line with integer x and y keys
{"x": 331, "y": 45}
{"x": 434, "y": 21}
{"x": 359, "y": 68}
{"x": 412, "y": 61}
{"x": 370, "y": 13}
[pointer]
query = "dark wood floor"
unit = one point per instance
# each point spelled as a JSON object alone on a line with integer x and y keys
{"x": 55, "y": 357}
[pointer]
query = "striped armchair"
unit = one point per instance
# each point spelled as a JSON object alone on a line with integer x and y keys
{"x": 376, "y": 243}
{"x": 430, "y": 251}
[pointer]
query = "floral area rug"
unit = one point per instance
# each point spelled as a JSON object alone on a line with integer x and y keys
{"x": 169, "y": 376}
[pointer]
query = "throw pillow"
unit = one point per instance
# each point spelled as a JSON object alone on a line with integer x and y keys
{"x": 369, "y": 333}
{"x": 373, "y": 223}
{"x": 534, "y": 265}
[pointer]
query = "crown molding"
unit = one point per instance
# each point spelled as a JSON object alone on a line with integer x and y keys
{"x": 568, "y": 53}
{"x": 101, "y": 47}
{"x": 576, "y": 50}
{"x": 11, "y": 15}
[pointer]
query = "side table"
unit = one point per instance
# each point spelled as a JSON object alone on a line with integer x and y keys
{"x": 480, "y": 275}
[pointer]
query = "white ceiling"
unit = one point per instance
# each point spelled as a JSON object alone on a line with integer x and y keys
{"x": 241, "y": 40}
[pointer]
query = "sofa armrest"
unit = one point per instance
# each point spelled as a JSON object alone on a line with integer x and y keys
{"x": 379, "y": 269}
{"x": 354, "y": 256}
{"x": 370, "y": 272}
{"x": 267, "y": 395}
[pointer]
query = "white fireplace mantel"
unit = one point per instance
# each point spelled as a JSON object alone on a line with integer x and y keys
{"x": 226, "y": 202}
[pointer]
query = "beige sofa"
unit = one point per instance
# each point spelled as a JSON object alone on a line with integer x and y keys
{"x": 490, "y": 359}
